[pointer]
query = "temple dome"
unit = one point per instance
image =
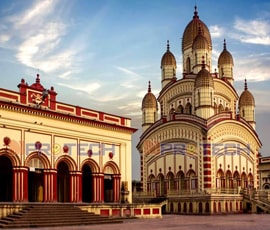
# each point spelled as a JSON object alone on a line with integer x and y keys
{"x": 191, "y": 31}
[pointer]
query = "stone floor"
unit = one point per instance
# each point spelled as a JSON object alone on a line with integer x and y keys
{"x": 181, "y": 222}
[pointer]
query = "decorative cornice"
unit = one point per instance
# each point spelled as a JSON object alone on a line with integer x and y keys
{"x": 27, "y": 110}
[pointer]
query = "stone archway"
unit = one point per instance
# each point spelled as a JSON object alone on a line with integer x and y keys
{"x": 6, "y": 179}
{"x": 63, "y": 182}
{"x": 87, "y": 183}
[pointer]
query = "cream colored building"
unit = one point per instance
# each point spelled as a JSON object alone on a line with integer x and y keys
{"x": 57, "y": 152}
{"x": 199, "y": 147}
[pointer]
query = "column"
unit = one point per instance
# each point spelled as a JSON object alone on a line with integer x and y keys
{"x": 20, "y": 184}
{"x": 75, "y": 186}
{"x": 50, "y": 185}
{"x": 116, "y": 188}
{"x": 207, "y": 164}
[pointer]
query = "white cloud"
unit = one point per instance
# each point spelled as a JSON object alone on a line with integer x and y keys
{"x": 87, "y": 88}
{"x": 252, "y": 67}
{"x": 252, "y": 31}
{"x": 216, "y": 31}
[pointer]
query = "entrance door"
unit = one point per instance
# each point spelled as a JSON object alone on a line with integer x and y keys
{"x": 63, "y": 182}
{"x": 87, "y": 184}
{"x": 5, "y": 179}
{"x": 35, "y": 185}
{"x": 108, "y": 188}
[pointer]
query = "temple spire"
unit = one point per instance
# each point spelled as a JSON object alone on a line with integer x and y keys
{"x": 246, "y": 87}
{"x": 195, "y": 12}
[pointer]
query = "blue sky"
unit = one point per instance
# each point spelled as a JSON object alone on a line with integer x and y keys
{"x": 101, "y": 54}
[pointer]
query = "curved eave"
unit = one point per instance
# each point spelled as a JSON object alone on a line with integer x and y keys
{"x": 173, "y": 84}
{"x": 62, "y": 117}
{"x": 228, "y": 85}
{"x": 238, "y": 121}
{"x": 188, "y": 119}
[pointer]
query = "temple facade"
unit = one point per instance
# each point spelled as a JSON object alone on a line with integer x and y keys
{"x": 199, "y": 148}
{"x": 57, "y": 152}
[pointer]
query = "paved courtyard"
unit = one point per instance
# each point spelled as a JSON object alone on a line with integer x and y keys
{"x": 173, "y": 222}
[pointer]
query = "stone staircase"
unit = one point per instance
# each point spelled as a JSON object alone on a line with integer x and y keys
{"x": 52, "y": 215}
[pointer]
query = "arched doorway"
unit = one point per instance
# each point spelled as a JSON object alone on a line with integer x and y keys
{"x": 63, "y": 182}
{"x": 6, "y": 180}
{"x": 35, "y": 180}
{"x": 87, "y": 184}
{"x": 108, "y": 184}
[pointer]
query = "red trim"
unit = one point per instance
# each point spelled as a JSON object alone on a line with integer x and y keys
{"x": 155, "y": 211}
{"x": 207, "y": 179}
{"x": 61, "y": 107}
{"x": 116, "y": 212}
{"x": 146, "y": 211}
{"x": 137, "y": 211}
{"x": 71, "y": 117}
{"x": 206, "y": 158}
{"x": 207, "y": 185}
{"x": 9, "y": 96}
{"x": 104, "y": 212}
{"x": 111, "y": 119}
{"x": 89, "y": 114}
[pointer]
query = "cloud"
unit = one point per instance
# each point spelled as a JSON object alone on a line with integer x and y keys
{"x": 37, "y": 36}
{"x": 252, "y": 67}
{"x": 252, "y": 31}
{"x": 87, "y": 88}
{"x": 216, "y": 31}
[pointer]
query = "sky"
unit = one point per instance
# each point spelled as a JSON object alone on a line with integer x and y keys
{"x": 100, "y": 54}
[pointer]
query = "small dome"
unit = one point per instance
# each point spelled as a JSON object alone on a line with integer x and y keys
{"x": 149, "y": 100}
{"x": 191, "y": 31}
{"x": 225, "y": 57}
{"x": 168, "y": 58}
{"x": 204, "y": 78}
{"x": 200, "y": 42}
{"x": 246, "y": 97}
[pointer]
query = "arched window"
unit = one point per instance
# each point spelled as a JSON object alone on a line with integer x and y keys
{"x": 180, "y": 181}
{"x": 228, "y": 177}
{"x": 215, "y": 108}
{"x": 220, "y": 183}
{"x": 236, "y": 179}
{"x": 191, "y": 179}
{"x": 188, "y": 67}
{"x": 243, "y": 180}
{"x": 188, "y": 108}
{"x": 220, "y": 108}
{"x": 160, "y": 185}
{"x": 151, "y": 187}
{"x": 170, "y": 181}
{"x": 180, "y": 109}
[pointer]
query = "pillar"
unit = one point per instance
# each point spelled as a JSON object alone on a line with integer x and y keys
{"x": 50, "y": 185}
{"x": 116, "y": 188}
{"x": 20, "y": 184}
{"x": 75, "y": 186}
{"x": 98, "y": 187}
{"x": 207, "y": 184}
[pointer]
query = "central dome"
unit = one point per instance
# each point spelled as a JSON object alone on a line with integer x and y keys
{"x": 191, "y": 31}
{"x": 204, "y": 79}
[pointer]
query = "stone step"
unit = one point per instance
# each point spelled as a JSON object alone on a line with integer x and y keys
{"x": 53, "y": 215}
{"x": 63, "y": 223}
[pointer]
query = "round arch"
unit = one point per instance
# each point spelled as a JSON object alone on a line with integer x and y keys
{"x": 41, "y": 156}
{"x": 92, "y": 164}
{"x": 68, "y": 160}
{"x": 11, "y": 155}
{"x": 113, "y": 166}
